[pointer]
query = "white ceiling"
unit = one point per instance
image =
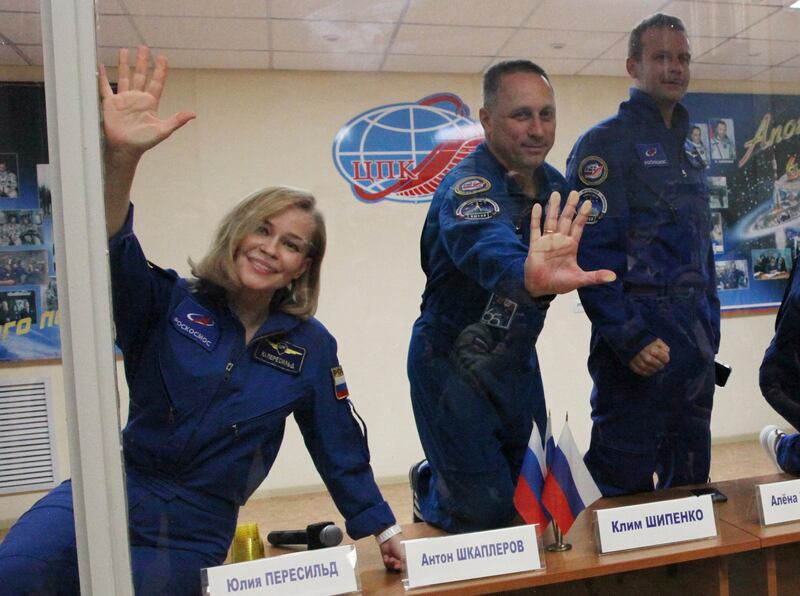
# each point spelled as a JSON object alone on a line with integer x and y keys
{"x": 731, "y": 39}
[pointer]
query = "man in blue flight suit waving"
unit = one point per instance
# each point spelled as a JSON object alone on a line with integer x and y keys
{"x": 655, "y": 330}
{"x": 491, "y": 274}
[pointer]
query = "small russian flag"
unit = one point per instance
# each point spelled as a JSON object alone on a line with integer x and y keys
{"x": 339, "y": 384}
{"x": 569, "y": 487}
{"x": 528, "y": 495}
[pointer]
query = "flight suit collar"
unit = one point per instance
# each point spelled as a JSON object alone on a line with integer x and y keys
{"x": 278, "y": 323}
{"x": 546, "y": 182}
{"x": 212, "y": 296}
{"x": 642, "y": 106}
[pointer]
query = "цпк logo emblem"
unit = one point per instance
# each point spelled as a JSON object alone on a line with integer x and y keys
{"x": 400, "y": 152}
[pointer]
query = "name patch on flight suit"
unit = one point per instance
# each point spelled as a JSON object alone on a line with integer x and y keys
{"x": 339, "y": 384}
{"x": 280, "y": 354}
{"x": 472, "y": 185}
{"x": 499, "y": 312}
{"x": 598, "y": 201}
{"x": 652, "y": 155}
{"x": 478, "y": 208}
{"x": 195, "y": 322}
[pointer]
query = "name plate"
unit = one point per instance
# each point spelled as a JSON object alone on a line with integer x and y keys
{"x": 778, "y": 502}
{"x": 432, "y": 561}
{"x": 652, "y": 524}
{"x": 323, "y": 571}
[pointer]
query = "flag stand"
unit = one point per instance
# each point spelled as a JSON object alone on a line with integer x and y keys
{"x": 559, "y": 545}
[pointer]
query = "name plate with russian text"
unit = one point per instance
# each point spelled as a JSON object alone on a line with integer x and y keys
{"x": 324, "y": 571}
{"x": 778, "y": 502}
{"x": 654, "y": 524}
{"x": 432, "y": 561}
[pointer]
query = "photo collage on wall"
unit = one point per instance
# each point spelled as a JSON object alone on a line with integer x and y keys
{"x": 749, "y": 146}
{"x": 29, "y": 322}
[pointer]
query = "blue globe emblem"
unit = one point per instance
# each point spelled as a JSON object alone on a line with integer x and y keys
{"x": 400, "y": 152}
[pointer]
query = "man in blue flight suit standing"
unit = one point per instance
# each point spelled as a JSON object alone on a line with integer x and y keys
{"x": 655, "y": 330}
{"x": 779, "y": 379}
{"x": 491, "y": 274}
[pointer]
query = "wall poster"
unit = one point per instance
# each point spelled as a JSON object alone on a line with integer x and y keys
{"x": 29, "y": 323}
{"x": 750, "y": 145}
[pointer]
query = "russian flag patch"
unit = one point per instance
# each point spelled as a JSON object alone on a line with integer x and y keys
{"x": 339, "y": 384}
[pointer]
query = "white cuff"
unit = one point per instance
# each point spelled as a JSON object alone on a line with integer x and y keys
{"x": 388, "y": 533}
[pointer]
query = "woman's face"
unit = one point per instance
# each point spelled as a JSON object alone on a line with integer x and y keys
{"x": 276, "y": 253}
{"x": 696, "y": 136}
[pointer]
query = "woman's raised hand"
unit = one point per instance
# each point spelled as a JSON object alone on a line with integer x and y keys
{"x": 130, "y": 116}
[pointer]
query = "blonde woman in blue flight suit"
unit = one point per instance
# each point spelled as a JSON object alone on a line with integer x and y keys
{"x": 214, "y": 366}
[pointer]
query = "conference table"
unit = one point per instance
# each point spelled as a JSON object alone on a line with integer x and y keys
{"x": 743, "y": 559}
{"x": 779, "y": 553}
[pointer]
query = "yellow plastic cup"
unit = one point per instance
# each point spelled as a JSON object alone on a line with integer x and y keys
{"x": 247, "y": 544}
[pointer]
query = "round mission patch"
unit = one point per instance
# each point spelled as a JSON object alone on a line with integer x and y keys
{"x": 478, "y": 208}
{"x": 593, "y": 170}
{"x": 472, "y": 185}
{"x": 599, "y": 204}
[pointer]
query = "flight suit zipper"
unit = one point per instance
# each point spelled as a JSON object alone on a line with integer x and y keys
{"x": 170, "y": 406}
{"x": 682, "y": 165}
{"x": 228, "y": 369}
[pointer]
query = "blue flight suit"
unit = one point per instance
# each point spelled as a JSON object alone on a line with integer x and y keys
{"x": 779, "y": 376}
{"x": 206, "y": 418}
{"x": 472, "y": 365}
{"x": 651, "y": 225}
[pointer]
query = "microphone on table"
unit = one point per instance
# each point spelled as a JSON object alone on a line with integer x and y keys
{"x": 318, "y": 535}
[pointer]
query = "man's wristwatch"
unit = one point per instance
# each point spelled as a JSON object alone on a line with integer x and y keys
{"x": 388, "y": 533}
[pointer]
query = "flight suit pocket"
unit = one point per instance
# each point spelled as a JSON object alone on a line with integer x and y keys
{"x": 256, "y": 412}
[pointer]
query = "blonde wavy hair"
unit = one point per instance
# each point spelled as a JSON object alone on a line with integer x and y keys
{"x": 217, "y": 266}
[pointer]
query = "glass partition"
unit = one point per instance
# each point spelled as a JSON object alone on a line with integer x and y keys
{"x": 368, "y": 105}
